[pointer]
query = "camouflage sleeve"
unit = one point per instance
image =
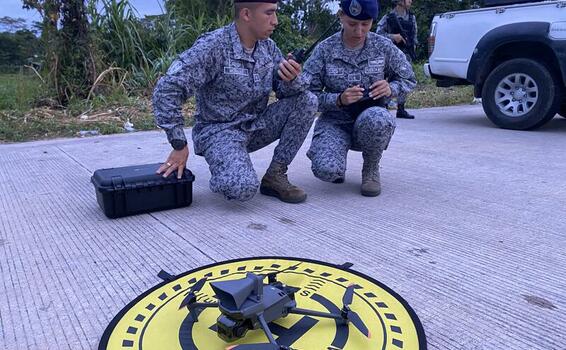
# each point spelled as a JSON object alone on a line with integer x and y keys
{"x": 314, "y": 71}
{"x": 283, "y": 88}
{"x": 383, "y": 28}
{"x": 401, "y": 75}
{"x": 194, "y": 68}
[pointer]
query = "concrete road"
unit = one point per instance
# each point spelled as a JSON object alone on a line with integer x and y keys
{"x": 470, "y": 230}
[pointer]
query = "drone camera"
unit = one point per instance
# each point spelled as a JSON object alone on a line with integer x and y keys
{"x": 230, "y": 330}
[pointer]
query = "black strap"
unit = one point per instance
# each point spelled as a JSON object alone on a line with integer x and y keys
{"x": 346, "y": 265}
{"x": 166, "y": 276}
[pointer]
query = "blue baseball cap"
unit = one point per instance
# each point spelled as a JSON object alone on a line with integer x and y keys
{"x": 360, "y": 9}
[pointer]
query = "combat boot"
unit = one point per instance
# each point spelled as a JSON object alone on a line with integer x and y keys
{"x": 371, "y": 182}
{"x": 402, "y": 113}
{"x": 276, "y": 184}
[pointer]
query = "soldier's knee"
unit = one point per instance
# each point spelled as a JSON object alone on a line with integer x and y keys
{"x": 377, "y": 120}
{"x": 245, "y": 191}
{"x": 308, "y": 102}
{"x": 326, "y": 168}
{"x": 239, "y": 189}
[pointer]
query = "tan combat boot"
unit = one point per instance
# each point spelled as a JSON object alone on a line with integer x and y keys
{"x": 276, "y": 184}
{"x": 371, "y": 183}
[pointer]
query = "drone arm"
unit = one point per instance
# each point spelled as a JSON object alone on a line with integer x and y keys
{"x": 202, "y": 305}
{"x": 306, "y": 312}
{"x": 266, "y": 329}
{"x": 196, "y": 308}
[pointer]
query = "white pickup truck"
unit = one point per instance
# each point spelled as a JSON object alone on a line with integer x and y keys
{"x": 513, "y": 52}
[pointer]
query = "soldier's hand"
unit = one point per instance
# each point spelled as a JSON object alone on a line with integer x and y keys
{"x": 289, "y": 69}
{"x": 398, "y": 38}
{"x": 177, "y": 161}
{"x": 351, "y": 95}
{"x": 380, "y": 89}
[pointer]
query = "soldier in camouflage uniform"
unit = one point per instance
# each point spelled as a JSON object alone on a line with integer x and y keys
{"x": 400, "y": 26}
{"x": 231, "y": 72}
{"x": 341, "y": 69}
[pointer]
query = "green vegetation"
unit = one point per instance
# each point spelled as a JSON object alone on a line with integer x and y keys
{"x": 428, "y": 95}
{"x": 95, "y": 63}
{"x": 19, "y": 91}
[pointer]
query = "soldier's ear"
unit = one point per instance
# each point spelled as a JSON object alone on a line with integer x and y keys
{"x": 245, "y": 14}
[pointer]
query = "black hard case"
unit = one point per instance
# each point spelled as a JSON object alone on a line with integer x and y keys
{"x": 138, "y": 189}
{"x": 493, "y": 3}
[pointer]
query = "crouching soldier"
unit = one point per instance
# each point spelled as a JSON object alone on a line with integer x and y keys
{"x": 343, "y": 68}
{"x": 231, "y": 72}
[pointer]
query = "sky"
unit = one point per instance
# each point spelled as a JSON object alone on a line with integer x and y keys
{"x": 13, "y": 8}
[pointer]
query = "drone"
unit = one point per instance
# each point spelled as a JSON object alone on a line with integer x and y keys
{"x": 249, "y": 304}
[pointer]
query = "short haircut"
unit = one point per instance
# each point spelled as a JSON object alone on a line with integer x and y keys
{"x": 239, "y": 6}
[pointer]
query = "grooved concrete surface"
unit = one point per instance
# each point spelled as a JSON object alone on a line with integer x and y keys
{"x": 470, "y": 229}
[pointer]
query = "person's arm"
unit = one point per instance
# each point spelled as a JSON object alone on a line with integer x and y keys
{"x": 315, "y": 69}
{"x": 401, "y": 75}
{"x": 193, "y": 69}
{"x": 382, "y": 28}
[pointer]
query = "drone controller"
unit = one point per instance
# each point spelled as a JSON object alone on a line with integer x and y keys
{"x": 356, "y": 108}
{"x": 299, "y": 55}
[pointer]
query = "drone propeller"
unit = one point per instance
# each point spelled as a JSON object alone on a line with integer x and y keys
{"x": 191, "y": 296}
{"x": 349, "y": 295}
{"x": 358, "y": 323}
{"x": 352, "y": 316}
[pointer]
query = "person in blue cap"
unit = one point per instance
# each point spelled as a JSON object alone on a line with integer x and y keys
{"x": 344, "y": 68}
{"x": 231, "y": 72}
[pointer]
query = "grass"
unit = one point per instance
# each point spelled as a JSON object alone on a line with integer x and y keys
{"x": 428, "y": 95}
{"x": 18, "y": 91}
{"x": 21, "y": 121}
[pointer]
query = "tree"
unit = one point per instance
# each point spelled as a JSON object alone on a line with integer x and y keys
{"x": 65, "y": 37}
{"x": 310, "y": 17}
{"x": 75, "y": 71}
{"x": 9, "y": 24}
{"x": 210, "y": 9}
{"x": 16, "y": 49}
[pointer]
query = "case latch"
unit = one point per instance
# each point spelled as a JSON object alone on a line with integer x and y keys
{"x": 118, "y": 182}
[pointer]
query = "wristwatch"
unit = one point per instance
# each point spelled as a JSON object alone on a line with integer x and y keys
{"x": 178, "y": 144}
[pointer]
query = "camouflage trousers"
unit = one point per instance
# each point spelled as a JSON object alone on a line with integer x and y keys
{"x": 370, "y": 134}
{"x": 227, "y": 154}
{"x": 402, "y": 97}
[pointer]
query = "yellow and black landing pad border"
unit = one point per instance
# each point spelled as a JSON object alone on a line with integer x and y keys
{"x": 154, "y": 322}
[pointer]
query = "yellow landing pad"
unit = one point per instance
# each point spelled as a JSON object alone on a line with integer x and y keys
{"x": 154, "y": 322}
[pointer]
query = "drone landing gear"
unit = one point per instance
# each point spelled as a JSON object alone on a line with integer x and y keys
{"x": 272, "y": 345}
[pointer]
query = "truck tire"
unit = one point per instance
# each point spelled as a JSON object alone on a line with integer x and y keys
{"x": 520, "y": 94}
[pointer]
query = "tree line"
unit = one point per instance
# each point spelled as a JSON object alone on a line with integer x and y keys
{"x": 90, "y": 46}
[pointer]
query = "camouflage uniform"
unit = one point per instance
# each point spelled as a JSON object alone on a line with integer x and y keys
{"x": 232, "y": 89}
{"x": 384, "y": 29}
{"x": 332, "y": 69}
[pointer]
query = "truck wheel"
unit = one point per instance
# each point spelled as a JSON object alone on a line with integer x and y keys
{"x": 520, "y": 94}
